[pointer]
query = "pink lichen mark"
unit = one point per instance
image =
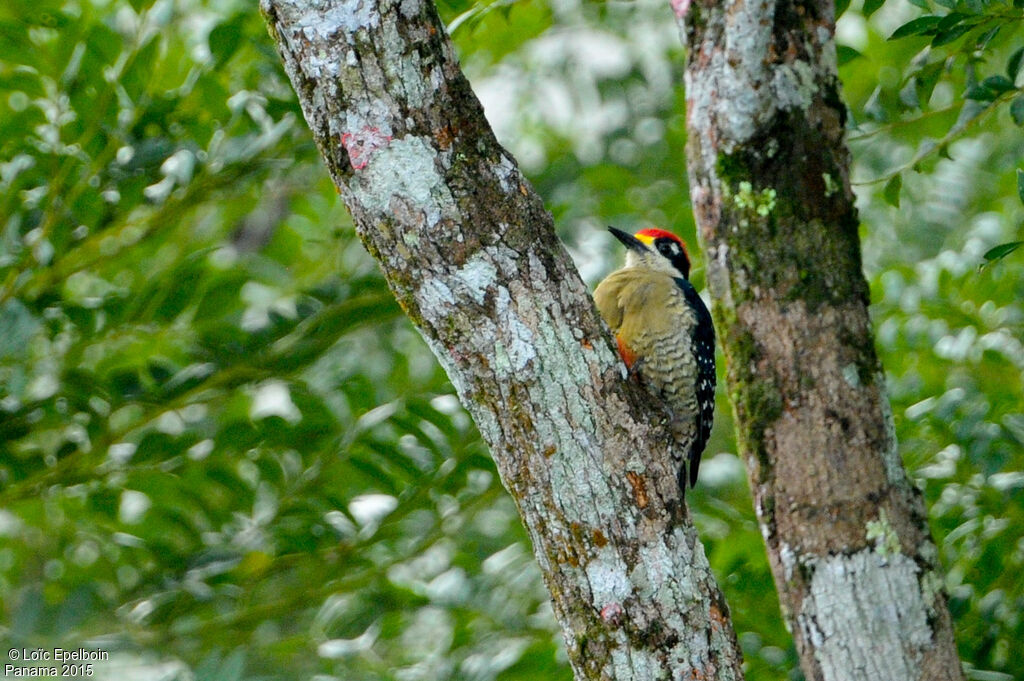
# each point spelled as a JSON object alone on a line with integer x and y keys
{"x": 361, "y": 145}
{"x": 612, "y": 613}
{"x": 680, "y": 7}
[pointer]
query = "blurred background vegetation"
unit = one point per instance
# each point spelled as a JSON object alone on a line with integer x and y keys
{"x": 224, "y": 454}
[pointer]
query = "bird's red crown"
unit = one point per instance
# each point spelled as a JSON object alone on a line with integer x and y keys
{"x": 654, "y": 233}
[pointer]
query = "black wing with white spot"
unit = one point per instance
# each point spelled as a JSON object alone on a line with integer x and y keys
{"x": 703, "y": 344}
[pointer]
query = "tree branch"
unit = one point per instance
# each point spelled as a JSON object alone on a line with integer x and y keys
{"x": 847, "y": 533}
{"x": 471, "y": 255}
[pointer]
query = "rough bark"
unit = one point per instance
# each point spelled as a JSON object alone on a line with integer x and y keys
{"x": 846, "y": 531}
{"x": 470, "y": 254}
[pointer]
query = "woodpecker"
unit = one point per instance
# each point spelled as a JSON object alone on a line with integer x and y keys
{"x": 665, "y": 335}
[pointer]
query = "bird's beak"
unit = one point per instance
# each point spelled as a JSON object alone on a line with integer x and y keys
{"x": 628, "y": 240}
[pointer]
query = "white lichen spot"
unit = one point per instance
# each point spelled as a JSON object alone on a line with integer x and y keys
{"x": 437, "y": 78}
{"x": 931, "y": 589}
{"x": 486, "y": 422}
{"x": 405, "y": 169}
{"x": 507, "y": 174}
{"x": 744, "y": 66}
{"x": 788, "y": 558}
{"x": 867, "y": 613}
{"x": 342, "y": 16}
{"x": 653, "y": 577}
{"x": 608, "y": 578}
{"x": 851, "y": 375}
{"x": 476, "y": 276}
{"x": 884, "y": 536}
{"x": 323, "y": 65}
{"x": 637, "y": 663}
{"x": 794, "y": 85}
{"x": 894, "y": 472}
{"x": 928, "y": 551}
{"x": 510, "y": 338}
{"x": 410, "y": 8}
{"x": 829, "y": 56}
{"x": 433, "y": 293}
{"x": 637, "y": 462}
{"x": 518, "y": 339}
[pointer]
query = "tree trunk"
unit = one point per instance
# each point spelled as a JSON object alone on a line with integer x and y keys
{"x": 471, "y": 255}
{"x": 847, "y": 533}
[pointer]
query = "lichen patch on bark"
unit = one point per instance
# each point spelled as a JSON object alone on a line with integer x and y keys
{"x": 862, "y": 597}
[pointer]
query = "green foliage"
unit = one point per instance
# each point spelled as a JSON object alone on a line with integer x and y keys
{"x": 941, "y": 238}
{"x": 1001, "y": 251}
{"x": 972, "y": 54}
{"x": 891, "y": 193}
{"x": 225, "y": 455}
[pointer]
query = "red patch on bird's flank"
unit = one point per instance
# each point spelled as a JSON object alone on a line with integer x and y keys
{"x": 628, "y": 356}
{"x": 361, "y": 145}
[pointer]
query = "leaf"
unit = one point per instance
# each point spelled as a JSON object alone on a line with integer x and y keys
{"x": 946, "y": 37}
{"x": 1013, "y": 64}
{"x": 927, "y": 77}
{"x": 871, "y": 6}
{"x": 233, "y": 666}
{"x": 923, "y": 4}
{"x": 968, "y": 112}
{"x": 1001, "y": 251}
{"x": 918, "y": 26}
{"x": 224, "y": 40}
{"x": 1020, "y": 184}
{"x": 137, "y": 76}
{"x": 979, "y": 92}
{"x": 846, "y": 54}
{"x": 950, "y": 20}
{"x": 1017, "y": 110}
{"x": 891, "y": 193}
{"x": 948, "y": 4}
{"x": 841, "y": 6}
{"x": 15, "y": 45}
{"x": 987, "y": 36}
{"x": 20, "y": 326}
{"x": 103, "y": 44}
{"x": 998, "y": 84}
{"x": 909, "y": 96}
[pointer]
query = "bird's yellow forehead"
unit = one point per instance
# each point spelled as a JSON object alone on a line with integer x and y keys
{"x": 647, "y": 239}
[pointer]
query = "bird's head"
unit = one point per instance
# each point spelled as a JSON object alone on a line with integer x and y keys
{"x": 655, "y": 249}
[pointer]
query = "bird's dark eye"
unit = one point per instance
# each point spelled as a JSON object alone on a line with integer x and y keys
{"x": 667, "y": 248}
